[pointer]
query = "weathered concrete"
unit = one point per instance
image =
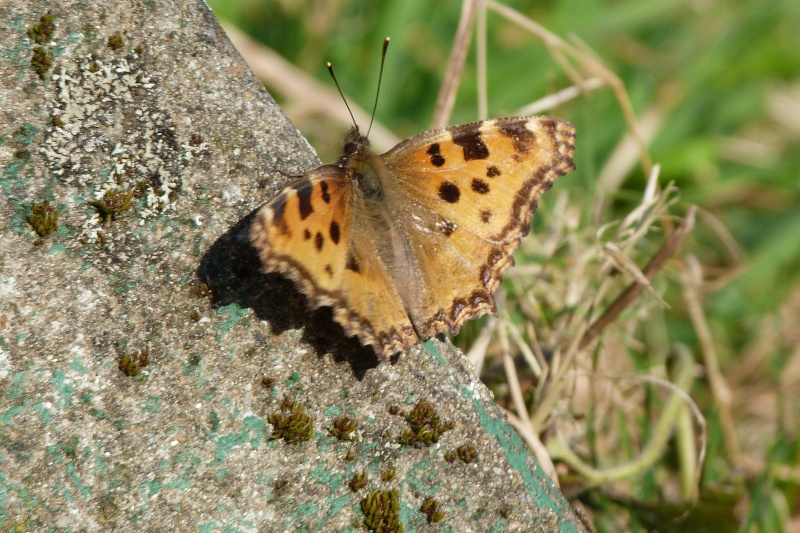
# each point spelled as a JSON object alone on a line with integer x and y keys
{"x": 145, "y": 105}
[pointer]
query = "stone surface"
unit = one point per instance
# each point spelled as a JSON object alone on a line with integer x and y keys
{"x": 140, "y": 125}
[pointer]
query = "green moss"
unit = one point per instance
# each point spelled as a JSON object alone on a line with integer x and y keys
{"x": 381, "y": 510}
{"x": 467, "y": 453}
{"x": 112, "y": 204}
{"x": 389, "y": 474}
{"x": 131, "y": 363}
{"x": 42, "y": 60}
{"x": 41, "y": 33}
{"x": 280, "y": 485}
{"x": 359, "y": 481}
{"x": 115, "y": 42}
{"x": 425, "y": 425}
{"x": 89, "y": 31}
{"x": 268, "y": 382}
{"x": 109, "y": 507}
{"x": 291, "y": 423}
{"x": 430, "y": 507}
{"x": 343, "y": 427}
{"x": 70, "y": 448}
{"x": 43, "y": 219}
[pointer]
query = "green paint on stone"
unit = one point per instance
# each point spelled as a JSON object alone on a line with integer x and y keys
{"x": 64, "y": 389}
{"x": 77, "y": 366}
{"x": 257, "y": 425}
{"x": 421, "y": 478}
{"x": 431, "y": 348}
{"x": 57, "y": 249}
{"x": 25, "y": 133}
{"x": 292, "y": 380}
{"x": 152, "y": 405}
{"x": 73, "y": 476}
{"x": 328, "y": 477}
{"x": 518, "y": 456}
{"x": 500, "y": 526}
{"x": 333, "y": 410}
{"x": 152, "y": 487}
{"x": 234, "y": 314}
{"x": 6, "y": 418}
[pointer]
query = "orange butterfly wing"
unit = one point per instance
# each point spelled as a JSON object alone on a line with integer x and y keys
{"x": 310, "y": 233}
{"x": 464, "y": 197}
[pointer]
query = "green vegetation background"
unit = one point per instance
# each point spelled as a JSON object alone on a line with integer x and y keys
{"x": 726, "y": 72}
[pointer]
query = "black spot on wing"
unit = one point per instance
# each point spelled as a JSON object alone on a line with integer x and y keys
{"x": 352, "y": 263}
{"x": 306, "y": 234}
{"x": 480, "y": 186}
{"x": 335, "y": 234}
{"x": 449, "y": 192}
{"x": 319, "y": 240}
{"x": 472, "y": 144}
{"x": 492, "y": 171}
{"x": 486, "y": 216}
{"x": 436, "y": 158}
{"x": 304, "y": 197}
{"x": 325, "y": 196}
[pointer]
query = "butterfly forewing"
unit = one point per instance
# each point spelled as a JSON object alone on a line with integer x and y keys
{"x": 467, "y": 194}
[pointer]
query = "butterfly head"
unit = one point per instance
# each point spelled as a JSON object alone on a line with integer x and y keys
{"x": 356, "y": 146}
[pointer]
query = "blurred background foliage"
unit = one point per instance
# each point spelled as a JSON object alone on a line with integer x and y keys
{"x": 722, "y": 78}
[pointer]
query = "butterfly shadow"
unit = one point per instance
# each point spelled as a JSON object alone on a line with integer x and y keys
{"x": 231, "y": 270}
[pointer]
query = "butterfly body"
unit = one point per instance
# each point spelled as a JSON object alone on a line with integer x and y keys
{"x": 413, "y": 242}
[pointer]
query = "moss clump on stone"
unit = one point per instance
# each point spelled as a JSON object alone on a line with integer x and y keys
{"x": 41, "y": 61}
{"x": 431, "y": 508}
{"x": 41, "y": 33}
{"x": 426, "y": 425}
{"x": 381, "y": 510}
{"x": 132, "y": 363}
{"x": 115, "y": 41}
{"x": 389, "y": 474}
{"x": 343, "y": 427}
{"x": 112, "y": 204}
{"x": 268, "y": 382}
{"x": 43, "y": 219}
{"x": 359, "y": 481}
{"x": 291, "y": 423}
{"x": 465, "y": 452}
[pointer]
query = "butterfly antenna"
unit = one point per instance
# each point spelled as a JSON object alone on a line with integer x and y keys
{"x": 330, "y": 69}
{"x": 378, "y": 92}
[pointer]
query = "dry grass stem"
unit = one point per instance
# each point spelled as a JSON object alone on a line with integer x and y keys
{"x": 455, "y": 66}
{"x": 305, "y": 94}
{"x": 633, "y": 290}
{"x": 719, "y": 387}
{"x": 661, "y": 432}
{"x": 590, "y": 65}
{"x": 561, "y": 97}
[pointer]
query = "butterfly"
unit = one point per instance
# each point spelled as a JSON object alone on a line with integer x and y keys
{"x": 413, "y": 242}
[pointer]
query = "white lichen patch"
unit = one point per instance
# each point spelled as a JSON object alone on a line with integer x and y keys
{"x": 109, "y": 136}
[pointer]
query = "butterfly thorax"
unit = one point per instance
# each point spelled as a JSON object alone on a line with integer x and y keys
{"x": 362, "y": 165}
